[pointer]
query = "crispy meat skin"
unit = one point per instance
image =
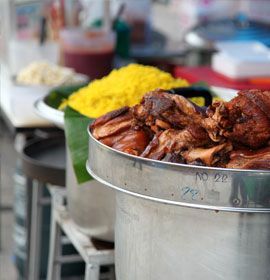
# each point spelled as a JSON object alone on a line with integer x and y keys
{"x": 116, "y": 130}
{"x": 160, "y": 110}
{"x": 174, "y": 157}
{"x": 249, "y": 124}
{"x": 130, "y": 141}
{"x": 247, "y": 159}
{"x": 216, "y": 120}
{"x": 244, "y": 120}
{"x": 112, "y": 123}
{"x": 174, "y": 141}
{"x": 208, "y": 156}
{"x": 258, "y": 97}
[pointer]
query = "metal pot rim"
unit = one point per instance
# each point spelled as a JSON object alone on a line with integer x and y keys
{"x": 177, "y": 203}
{"x": 168, "y": 164}
{"x": 179, "y": 184}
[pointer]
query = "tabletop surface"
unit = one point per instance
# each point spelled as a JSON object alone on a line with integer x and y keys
{"x": 17, "y": 103}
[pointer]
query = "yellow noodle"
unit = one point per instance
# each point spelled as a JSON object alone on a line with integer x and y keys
{"x": 123, "y": 87}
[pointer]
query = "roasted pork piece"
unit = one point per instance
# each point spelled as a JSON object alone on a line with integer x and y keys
{"x": 244, "y": 120}
{"x": 167, "y": 127}
{"x": 249, "y": 118}
{"x": 214, "y": 156}
{"x": 112, "y": 123}
{"x": 248, "y": 159}
{"x": 131, "y": 141}
{"x": 116, "y": 130}
{"x": 175, "y": 141}
{"x": 216, "y": 120}
{"x": 160, "y": 111}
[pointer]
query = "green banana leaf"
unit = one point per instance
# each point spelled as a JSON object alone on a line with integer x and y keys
{"x": 77, "y": 141}
{"x": 56, "y": 95}
{"x": 75, "y": 130}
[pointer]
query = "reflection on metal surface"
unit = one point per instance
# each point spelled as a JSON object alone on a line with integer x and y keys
{"x": 250, "y": 191}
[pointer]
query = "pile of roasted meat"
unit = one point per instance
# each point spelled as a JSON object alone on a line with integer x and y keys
{"x": 167, "y": 127}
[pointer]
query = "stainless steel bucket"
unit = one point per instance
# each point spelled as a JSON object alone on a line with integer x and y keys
{"x": 176, "y": 221}
{"x": 91, "y": 206}
{"x": 159, "y": 241}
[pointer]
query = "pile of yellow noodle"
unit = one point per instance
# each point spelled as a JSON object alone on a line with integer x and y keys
{"x": 123, "y": 87}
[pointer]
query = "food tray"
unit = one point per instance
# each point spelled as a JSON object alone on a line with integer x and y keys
{"x": 180, "y": 184}
{"x": 44, "y": 109}
{"x": 49, "y": 113}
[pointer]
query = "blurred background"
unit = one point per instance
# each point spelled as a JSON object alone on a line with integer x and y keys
{"x": 144, "y": 29}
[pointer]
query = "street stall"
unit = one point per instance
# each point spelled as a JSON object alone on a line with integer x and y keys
{"x": 133, "y": 162}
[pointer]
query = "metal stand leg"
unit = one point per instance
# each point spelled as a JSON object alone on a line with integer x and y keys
{"x": 92, "y": 272}
{"x": 0, "y": 208}
{"x": 35, "y": 233}
{"x": 54, "y": 264}
{"x": 29, "y": 190}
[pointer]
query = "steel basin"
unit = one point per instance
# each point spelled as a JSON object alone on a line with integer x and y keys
{"x": 91, "y": 206}
{"x": 176, "y": 221}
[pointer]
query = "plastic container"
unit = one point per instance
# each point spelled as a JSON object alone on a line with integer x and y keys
{"x": 240, "y": 60}
{"x": 138, "y": 15}
{"x": 88, "y": 52}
